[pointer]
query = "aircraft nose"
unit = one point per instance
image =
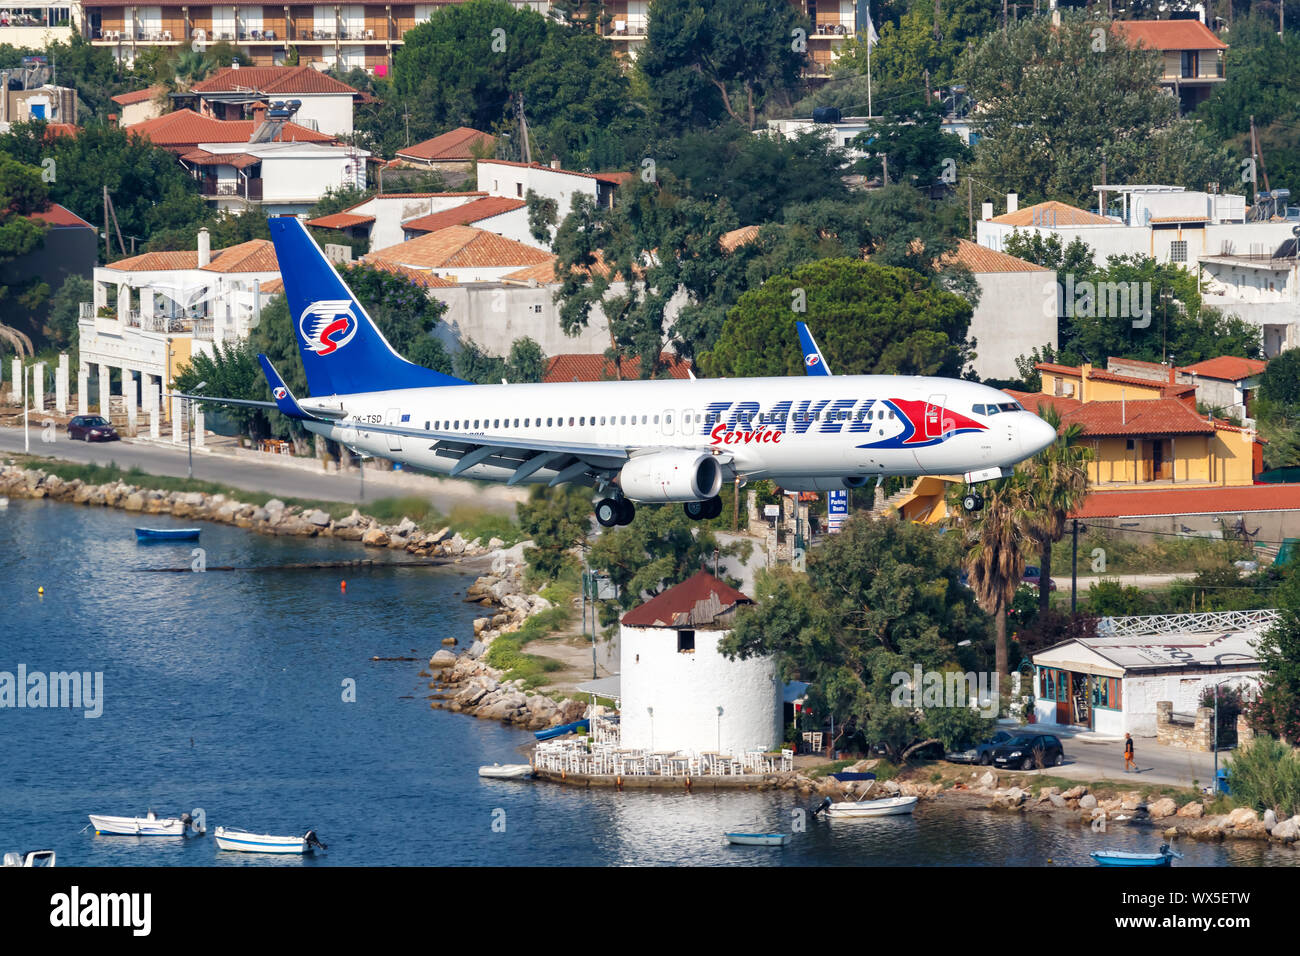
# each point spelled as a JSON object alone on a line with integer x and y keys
{"x": 1036, "y": 435}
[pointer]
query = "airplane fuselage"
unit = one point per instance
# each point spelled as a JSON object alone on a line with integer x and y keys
{"x": 779, "y": 428}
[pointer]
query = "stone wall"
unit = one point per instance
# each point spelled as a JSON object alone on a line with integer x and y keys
{"x": 1194, "y": 736}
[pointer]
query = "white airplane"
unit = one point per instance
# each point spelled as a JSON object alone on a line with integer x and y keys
{"x": 633, "y": 441}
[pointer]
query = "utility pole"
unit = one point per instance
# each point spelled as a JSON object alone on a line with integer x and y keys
{"x": 970, "y": 206}
{"x": 1074, "y": 567}
{"x": 885, "y": 167}
{"x": 1254, "y": 139}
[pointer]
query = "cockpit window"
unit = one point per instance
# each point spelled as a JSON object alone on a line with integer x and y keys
{"x": 1011, "y": 407}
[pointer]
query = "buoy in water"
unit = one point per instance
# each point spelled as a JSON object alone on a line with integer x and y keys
{"x": 343, "y": 586}
{"x": 40, "y": 590}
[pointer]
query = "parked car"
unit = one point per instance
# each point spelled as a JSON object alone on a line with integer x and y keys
{"x": 981, "y": 753}
{"x": 1034, "y": 575}
{"x": 92, "y": 428}
{"x": 1027, "y": 751}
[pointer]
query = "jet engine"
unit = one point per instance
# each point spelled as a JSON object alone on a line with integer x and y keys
{"x": 671, "y": 476}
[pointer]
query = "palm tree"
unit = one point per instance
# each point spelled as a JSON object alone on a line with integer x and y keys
{"x": 189, "y": 67}
{"x": 1058, "y": 483}
{"x": 994, "y": 560}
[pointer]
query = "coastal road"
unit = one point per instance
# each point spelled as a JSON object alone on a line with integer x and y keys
{"x": 1088, "y": 758}
{"x": 271, "y": 477}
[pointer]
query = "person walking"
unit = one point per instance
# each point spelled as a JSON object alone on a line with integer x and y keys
{"x": 1128, "y": 754}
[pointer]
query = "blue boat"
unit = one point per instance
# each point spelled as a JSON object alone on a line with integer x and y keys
{"x": 1125, "y": 858}
{"x": 167, "y": 534}
{"x": 845, "y": 777}
{"x": 560, "y": 731}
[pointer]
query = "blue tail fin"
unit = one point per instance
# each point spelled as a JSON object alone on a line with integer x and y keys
{"x": 342, "y": 350}
{"x": 814, "y": 362}
{"x": 284, "y": 400}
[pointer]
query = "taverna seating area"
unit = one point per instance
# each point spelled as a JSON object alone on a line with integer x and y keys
{"x": 602, "y": 754}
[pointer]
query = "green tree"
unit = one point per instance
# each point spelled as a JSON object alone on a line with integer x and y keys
{"x": 729, "y": 56}
{"x": 458, "y": 67}
{"x": 912, "y": 138}
{"x": 231, "y": 371}
{"x": 1054, "y": 106}
{"x": 557, "y": 520}
{"x": 61, "y": 326}
{"x": 994, "y": 560}
{"x": 868, "y": 319}
{"x": 1277, "y": 709}
{"x": 22, "y": 193}
{"x": 660, "y": 548}
{"x": 878, "y": 599}
{"x": 1058, "y": 484}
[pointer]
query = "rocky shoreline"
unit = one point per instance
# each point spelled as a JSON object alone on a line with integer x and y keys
{"x": 467, "y": 684}
{"x": 275, "y": 517}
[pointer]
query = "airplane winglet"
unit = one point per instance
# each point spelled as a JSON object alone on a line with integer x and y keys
{"x": 284, "y": 400}
{"x": 814, "y": 362}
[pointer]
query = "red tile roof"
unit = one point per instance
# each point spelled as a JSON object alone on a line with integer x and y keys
{"x": 981, "y": 259}
{"x": 340, "y": 220}
{"x": 60, "y": 129}
{"x": 1033, "y": 400}
{"x": 1169, "y": 34}
{"x": 461, "y": 247}
{"x": 731, "y": 241}
{"x": 256, "y": 255}
{"x": 453, "y": 146}
{"x": 1218, "y": 499}
{"x": 60, "y": 217}
{"x": 1050, "y": 214}
{"x": 615, "y": 178}
{"x": 697, "y": 602}
{"x": 1152, "y": 416}
{"x": 576, "y": 367}
{"x": 272, "y": 81}
{"x": 1059, "y": 369}
{"x": 422, "y": 279}
{"x": 183, "y": 130}
{"x": 136, "y": 96}
{"x": 464, "y": 215}
{"x": 201, "y": 157}
{"x": 1227, "y": 368}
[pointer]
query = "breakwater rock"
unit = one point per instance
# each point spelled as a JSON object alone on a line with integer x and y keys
{"x": 274, "y": 517}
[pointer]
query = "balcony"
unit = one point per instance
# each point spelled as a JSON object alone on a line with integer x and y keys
{"x": 835, "y": 27}
{"x": 249, "y": 189}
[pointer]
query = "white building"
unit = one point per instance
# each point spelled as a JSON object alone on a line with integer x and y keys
{"x": 151, "y": 313}
{"x": 325, "y": 103}
{"x": 1010, "y": 319}
{"x": 463, "y": 254}
{"x": 510, "y": 180}
{"x": 678, "y": 692}
{"x": 1167, "y": 223}
{"x": 844, "y": 131}
{"x": 281, "y": 178}
{"x": 1111, "y": 684}
{"x": 1262, "y": 289}
{"x": 381, "y": 217}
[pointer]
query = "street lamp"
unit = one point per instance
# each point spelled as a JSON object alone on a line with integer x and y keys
{"x": 189, "y": 430}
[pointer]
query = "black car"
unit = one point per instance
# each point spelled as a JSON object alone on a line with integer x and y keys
{"x": 92, "y": 428}
{"x": 980, "y": 753}
{"x": 1027, "y": 751}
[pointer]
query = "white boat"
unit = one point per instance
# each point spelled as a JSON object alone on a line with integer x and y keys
{"x": 507, "y": 771}
{"x": 34, "y": 858}
{"x": 233, "y": 838}
{"x": 884, "y": 807}
{"x": 148, "y": 825}
{"x": 758, "y": 839}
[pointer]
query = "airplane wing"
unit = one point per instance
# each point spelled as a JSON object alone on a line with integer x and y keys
{"x": 813, "y": 360}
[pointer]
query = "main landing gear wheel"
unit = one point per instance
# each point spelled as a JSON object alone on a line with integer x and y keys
{"x": 614, "y": 511}
{"x": 626, "y": 511}
{"x": 973, "y": 501}
{"x": 703, "y": 510}
{"x": 608, "y": 512}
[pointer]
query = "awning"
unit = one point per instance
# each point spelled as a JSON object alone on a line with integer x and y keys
{"x": 603, "y": 687}
{"x": 794, "y": 690}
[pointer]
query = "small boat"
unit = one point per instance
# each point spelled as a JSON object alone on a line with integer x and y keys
{"x": 167, "y": 534}
{"x": 560, "y": 731}
{"x": 34, "y": 858}
{"x": 845, "y": 776}
{"x": 1125, "y": 858}
{"x": 233, "y": 838}
{"x": 149, "y": 825}
{"x": 508, "y": 771}
{"x": 758, "y": 839}
{"x": 884, "y": 807}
